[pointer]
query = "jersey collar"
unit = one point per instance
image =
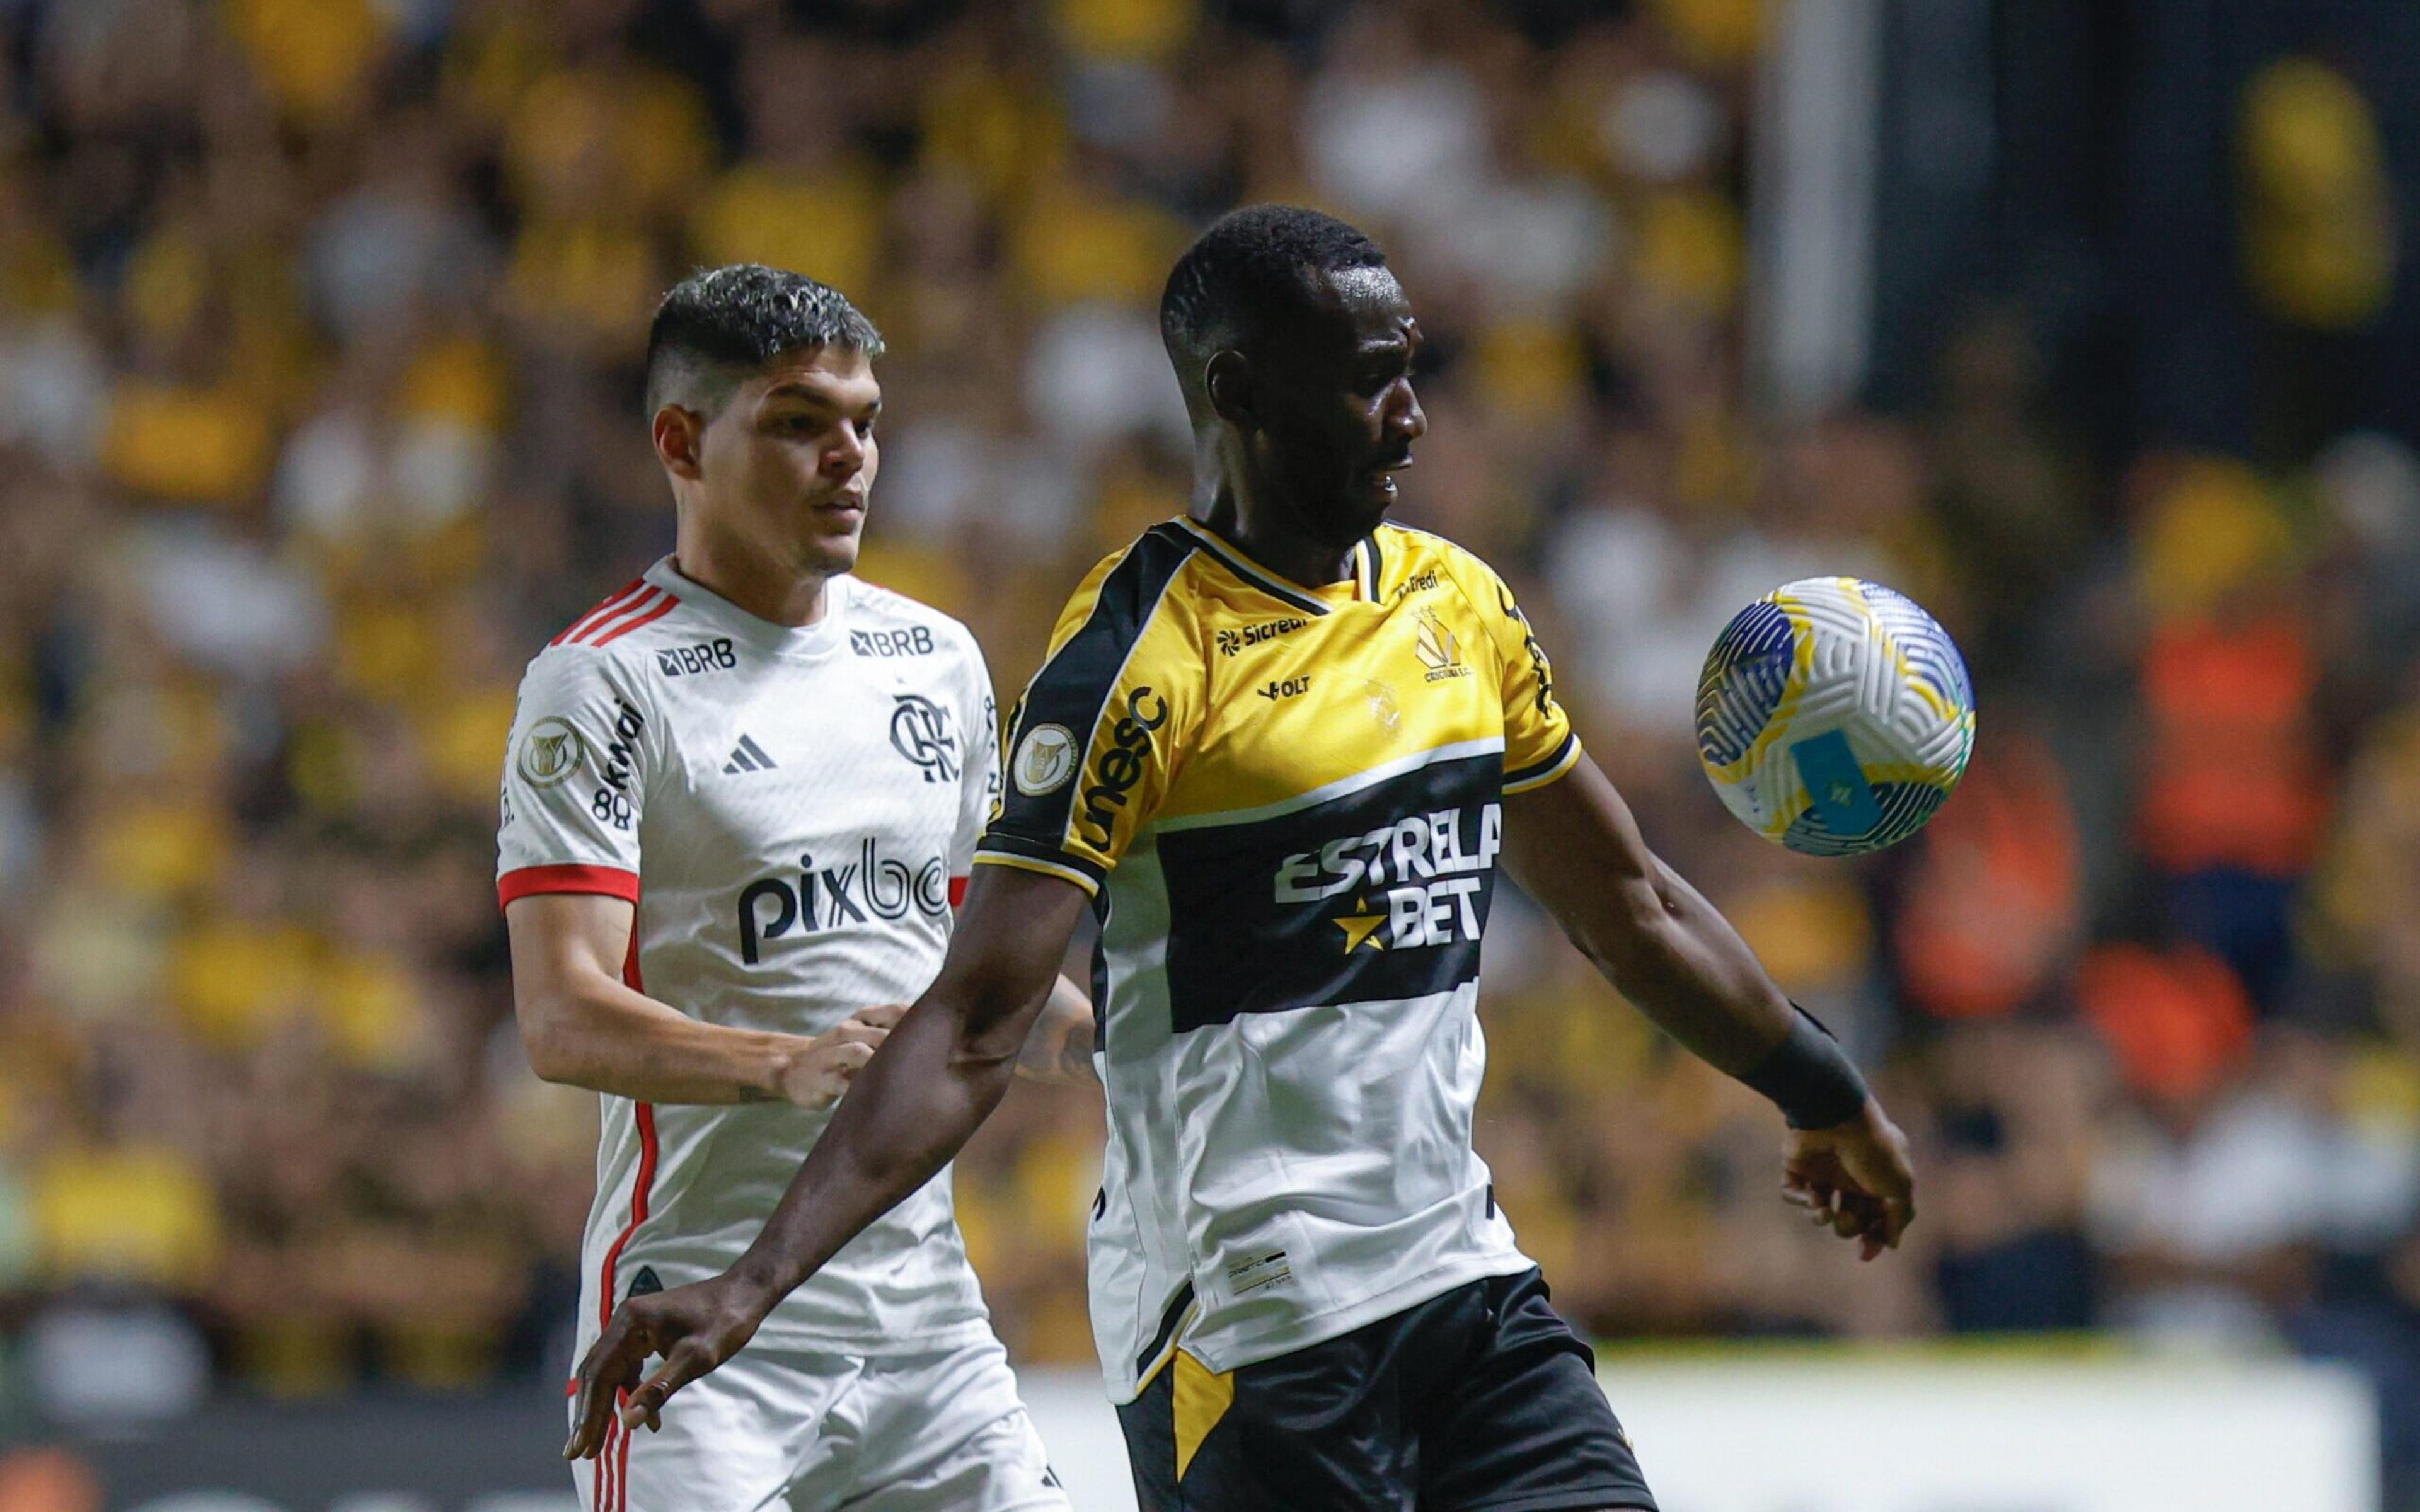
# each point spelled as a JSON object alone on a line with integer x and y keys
{"x": 1365, "y": 578}
{"x": 807, "y": 640}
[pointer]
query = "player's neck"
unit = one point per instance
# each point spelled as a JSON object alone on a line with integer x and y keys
{"x": 772, "y": 591}
{"x": 1275, "y": 543}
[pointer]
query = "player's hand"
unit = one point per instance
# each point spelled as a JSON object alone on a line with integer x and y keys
{"x": 1854, "y": 1178}
{"x": 817, "y": 1075}
{"x": 695, "y": 1328}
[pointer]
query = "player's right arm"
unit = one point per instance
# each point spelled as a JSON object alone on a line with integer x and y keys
{"x": 583, "y": 1026}
{"x": 585, "y": 746}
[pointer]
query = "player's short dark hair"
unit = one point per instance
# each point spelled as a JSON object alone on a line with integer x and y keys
{"x": 720, "y": 326}
{"x": 1251, "y": 263}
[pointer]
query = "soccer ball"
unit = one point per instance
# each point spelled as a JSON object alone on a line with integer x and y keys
{"x": 1835, "y": 716}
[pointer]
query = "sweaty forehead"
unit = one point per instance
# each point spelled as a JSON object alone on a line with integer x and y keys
{"x": 1370, "y": 297}
{"x": 1344, "y": 309}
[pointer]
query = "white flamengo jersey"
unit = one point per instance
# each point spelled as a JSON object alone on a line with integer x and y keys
{"x": 793, "y": 812}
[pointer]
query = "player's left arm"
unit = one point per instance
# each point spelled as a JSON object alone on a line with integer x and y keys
{"x": 1572, "y": 843}
{"x": 1573, "y": 846}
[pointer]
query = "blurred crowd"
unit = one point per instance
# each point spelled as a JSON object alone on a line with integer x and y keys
{"x": 319, "y": 413}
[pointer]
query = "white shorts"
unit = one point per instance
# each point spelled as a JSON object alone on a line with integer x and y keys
{"x": 774, "y": 1429}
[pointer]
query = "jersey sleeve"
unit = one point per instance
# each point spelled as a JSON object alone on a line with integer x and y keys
{"x": 978, "y": 778}
{"x": 1538, "y": 742}
{"x": 1096, "y": 738}
{"x": 575, "y": 781}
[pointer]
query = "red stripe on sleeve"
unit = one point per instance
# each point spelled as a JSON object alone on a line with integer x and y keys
{"x": 652, "y": 615}
{"x": 610, "y": 880}
{"x": 603, "y": 607}
{"x": 588, "y": 633}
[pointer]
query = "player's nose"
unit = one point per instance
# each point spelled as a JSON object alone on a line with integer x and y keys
{"x": 1405, "y": 419}
{"x": 846, "y": 456}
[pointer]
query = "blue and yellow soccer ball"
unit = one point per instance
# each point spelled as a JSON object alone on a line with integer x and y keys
{"x": 1835, "y": 716}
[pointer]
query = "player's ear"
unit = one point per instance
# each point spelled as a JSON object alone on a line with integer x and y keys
{"x": 680, "y": 440}
{"x": 1228, "y": 381}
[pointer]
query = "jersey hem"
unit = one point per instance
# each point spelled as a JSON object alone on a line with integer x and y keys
{"x": 875, "y": 1346}
{"x": 773, "y": 1339}
{"x": 1304, "y": 1331}
{"x": 526, "y": 881}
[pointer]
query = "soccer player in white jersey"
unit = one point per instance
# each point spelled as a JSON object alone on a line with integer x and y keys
{"x": 739, "y": 806}
{"x": 1279, "y": 749}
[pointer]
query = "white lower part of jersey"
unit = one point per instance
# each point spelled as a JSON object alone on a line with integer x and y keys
{"x": 1317, "y": 1177}
{"x": 780, "y": 1431}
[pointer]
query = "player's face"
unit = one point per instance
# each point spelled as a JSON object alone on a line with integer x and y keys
{"x": 1339, "y": 417}
{"x": 790, "y": 460}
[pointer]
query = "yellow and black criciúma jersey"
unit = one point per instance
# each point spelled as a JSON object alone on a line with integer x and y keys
{"x": 1286, "y": 803}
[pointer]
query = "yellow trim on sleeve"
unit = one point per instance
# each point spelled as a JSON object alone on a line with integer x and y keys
{"x": 1570, "y": 759}
{"x": 1028, "y": 863}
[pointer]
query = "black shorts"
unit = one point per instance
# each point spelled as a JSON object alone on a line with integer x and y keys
{"x": 1480, "y": 1398}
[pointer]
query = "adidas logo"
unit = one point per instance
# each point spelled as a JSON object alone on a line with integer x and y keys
{"x": 747, "y": 756}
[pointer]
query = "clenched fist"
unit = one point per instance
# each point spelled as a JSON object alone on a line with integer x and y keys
{"x": 816, "y": 1076}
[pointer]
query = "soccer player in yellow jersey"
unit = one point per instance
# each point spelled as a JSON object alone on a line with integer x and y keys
{"x": 1280, "y": 748}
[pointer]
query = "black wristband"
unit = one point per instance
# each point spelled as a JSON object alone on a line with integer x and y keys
{"x": 1809, "y": 1076}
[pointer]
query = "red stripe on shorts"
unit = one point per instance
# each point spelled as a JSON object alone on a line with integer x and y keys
{"x": 613, "y": 1458}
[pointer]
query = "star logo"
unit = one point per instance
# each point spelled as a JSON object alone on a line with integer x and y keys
{"x": 1361, "y": 929}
